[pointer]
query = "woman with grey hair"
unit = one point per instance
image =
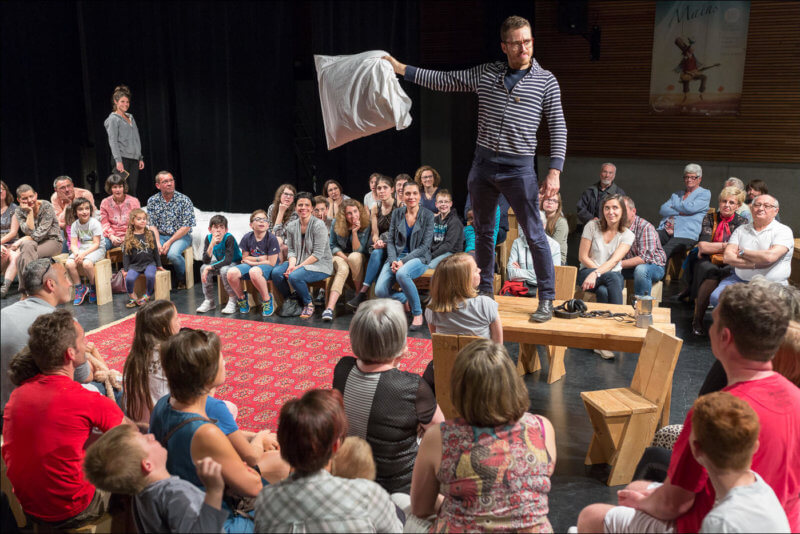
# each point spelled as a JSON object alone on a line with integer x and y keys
{"x": 384, "y": 405}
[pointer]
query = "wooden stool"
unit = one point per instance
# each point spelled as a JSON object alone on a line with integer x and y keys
{"x": 163, "y": 285}
{"x": 102, "y": 279}
{"x": 188, "y": 258}
{"x": 253, "y": 296}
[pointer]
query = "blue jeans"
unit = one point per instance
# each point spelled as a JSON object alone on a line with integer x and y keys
{"x": 404, "y": 276}
{"x": 244, "y": 268}
{"x": 376, "y": 259}
{"x": 175, "y": 253}
{"x": 299, "y": 278}
{"x": 149, "y": 275}
{"x": 514, "y": 177}
{"x": 435, "y": 261}
{"x": 644, "y": 276}
{"x": 725, "y": 282}
{"x": 608, "y": 287}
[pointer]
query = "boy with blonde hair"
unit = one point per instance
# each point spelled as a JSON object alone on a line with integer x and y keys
{"x": 125, "y": 461}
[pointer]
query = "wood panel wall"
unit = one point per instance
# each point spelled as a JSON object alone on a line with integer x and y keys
{"x": 606, "y": 102}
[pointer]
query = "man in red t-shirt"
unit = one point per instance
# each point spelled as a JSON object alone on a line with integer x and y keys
{"x": 46, "y": 424}
{"x": 749, "y": 326}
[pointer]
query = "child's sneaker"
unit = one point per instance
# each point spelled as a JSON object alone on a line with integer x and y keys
{"x": 206, "y": 306}
{"x": 80, "y": 293}
{"x": 92, "y": 295}
{"x": 244, "y": 306}
{"x": 268, "y": 307}
{"x": 327, "y": 315}
{"x": 230, "y": 307}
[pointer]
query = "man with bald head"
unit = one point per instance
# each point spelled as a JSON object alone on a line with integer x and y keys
{"x": 763, "y": 247}
{"x": 592, "y": 197}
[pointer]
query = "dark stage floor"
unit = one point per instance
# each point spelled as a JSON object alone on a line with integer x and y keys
{"x": 574, "y": 485}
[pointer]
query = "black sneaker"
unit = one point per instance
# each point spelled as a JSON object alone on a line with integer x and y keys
{"x": 356, "y": 301}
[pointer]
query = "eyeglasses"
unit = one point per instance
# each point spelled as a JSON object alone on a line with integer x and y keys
{"x": 519, "y": 44}
{"x": 259, "y": 219}
{"x": 758, "y": 205}
{"x": 690, "y": 177}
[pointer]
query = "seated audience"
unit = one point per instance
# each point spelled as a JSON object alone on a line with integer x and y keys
{"x": 749, "y": 326}
{"x": 754, "y": 188}
{"x": 140, "y": 256}
{"x": 708, "y": 269}
{"x": 384, "y": 405}
{"x": 310, "y": 260}
{"x": 310, "y": 431}
{"x": 762, "y": 247}
{"x": 408, "y": 251}
{"x": 683, "y": 213}
{"x": 354, "y": 460}
{"x": 520, "y": 262}
{"x": 143, "y": 377}
{"x": 126, "y": 462}
{"x": 260, "y": 251}
{"x": 380, "y": 220}
{"x": 592, "y": 197}
{"x": 555, "y": 224}
{"x": 9, "y": 228}
{"x": 448, "y": 232}
{"x": 38, "y": 227}
{"x": 501, "y": 229}
{"x": 644, "y": 263}
{"x": 87, "y": 248}
{"x": 220, "y": 255}
{"x": 370, "y": 199}
{"x": 744, "y": 209}
{"x": 603, "y": 245}
{"x": 493, "y": 464}
{"x": 333, "y": 191}
{"x": 469, "y": 231}
{"x": 172, "y": 218}
{"x": 400, "y": 182}
{"x": 455, "y": 307}
{"x": 62, "y": 199}
{"x": 48, "y": 286}
{"x": 428, "y": 180}
{"x": 321, "y": 210}
{"x": 46, "y": 424}
{"x": 115, "y": 210}
{"x": 349, "y": 241}
{"x": 723, "y": 439}
{"x": 282, "y": 211}
{"x": 194, "y": 365}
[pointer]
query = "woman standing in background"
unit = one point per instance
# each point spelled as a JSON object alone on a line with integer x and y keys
{"x": 123, "y": 138}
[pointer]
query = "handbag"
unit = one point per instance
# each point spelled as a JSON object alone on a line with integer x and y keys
{"x": 118, "y": 282}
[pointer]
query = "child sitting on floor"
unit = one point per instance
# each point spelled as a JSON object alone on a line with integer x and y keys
{"x": 140, "y": 256}
{"x": 260, "y": 251}
{"x": 126, "y": 462}
{"x": 723, "y": 438}
{"x": 354, "y": 460}
{"x": 87, "y": 247}
{"x": 220, "y": 254}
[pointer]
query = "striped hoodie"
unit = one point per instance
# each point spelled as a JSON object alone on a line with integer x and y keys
{"x": 507, "y": 120}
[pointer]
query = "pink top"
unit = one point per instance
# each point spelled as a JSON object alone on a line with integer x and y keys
{"x": 494, "y": 479}
{"x": 114, "y": 217}
{"x": 60, "y": 205}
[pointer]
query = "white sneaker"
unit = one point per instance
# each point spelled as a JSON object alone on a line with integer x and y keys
{"x": 206, "y": 306}
{"x": 230, "y": 307}
{"x": 605, "y": 354}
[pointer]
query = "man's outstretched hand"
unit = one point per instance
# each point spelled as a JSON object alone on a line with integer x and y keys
{"x": 399, "y": 68}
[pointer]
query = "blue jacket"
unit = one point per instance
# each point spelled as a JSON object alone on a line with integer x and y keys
{"x": 688, "y": 213}
{"x": 421, "y": 236}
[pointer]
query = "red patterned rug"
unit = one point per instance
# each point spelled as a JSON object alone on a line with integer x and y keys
{"x": 266, "y": 364}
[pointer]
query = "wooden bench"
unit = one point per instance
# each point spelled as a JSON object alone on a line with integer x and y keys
{"x": 445, "y": 349}
{"x": 625, "y": 419}
{"x": 528, "y": 360}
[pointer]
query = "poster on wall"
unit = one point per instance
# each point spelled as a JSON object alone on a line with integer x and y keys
{"x": 698, "y": 57}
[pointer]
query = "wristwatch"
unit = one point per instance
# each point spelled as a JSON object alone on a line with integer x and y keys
{"x": 741, "y": 253}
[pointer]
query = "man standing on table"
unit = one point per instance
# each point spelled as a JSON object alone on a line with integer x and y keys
{"x": 512, "y": 97}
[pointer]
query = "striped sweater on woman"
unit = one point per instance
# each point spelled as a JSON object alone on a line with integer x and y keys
{"x": 507, "y": 120}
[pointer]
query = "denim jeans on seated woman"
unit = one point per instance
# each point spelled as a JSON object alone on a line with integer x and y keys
{"x": 376, "y": 259}
{"x": 608, "y": 287}
{"x": 404, "y": 276}
{"x": 299, "y": 278}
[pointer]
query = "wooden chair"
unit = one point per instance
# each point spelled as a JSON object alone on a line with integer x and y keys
{"x": 625, "y": 419}
{"x": 445, "y": 349}
{"x": 528, "y": 361}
